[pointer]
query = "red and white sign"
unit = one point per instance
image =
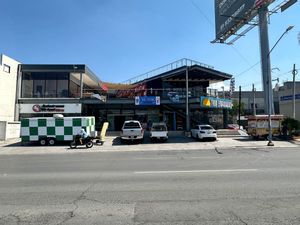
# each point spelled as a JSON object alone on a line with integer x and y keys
{"x": 50, "y": 108}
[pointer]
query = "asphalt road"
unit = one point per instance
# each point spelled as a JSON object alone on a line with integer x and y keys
{"x": 241, "y": 186}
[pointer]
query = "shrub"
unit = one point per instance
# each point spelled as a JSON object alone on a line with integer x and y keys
{"x": 292, "y": 124}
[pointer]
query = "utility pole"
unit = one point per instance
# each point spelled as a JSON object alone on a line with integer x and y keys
{"x": 294, "y": 91}
{"x": 223, "y": 90}
{"x": 254, "y": 104}
{"x": 187, "y": 99}
{"x": 240, "y": 102}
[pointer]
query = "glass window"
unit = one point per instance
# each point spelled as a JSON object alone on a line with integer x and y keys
{"x": 6, "y": 68}
{"x": 131, "y": 125}
{"x": 38, "y": 85}
{"x": 74, "y": 86}
{"x": 50, "y": 90}
{"x": 63, "y": 85}
{"x": 206, "y": 128}
{"x": 27, "y": 86}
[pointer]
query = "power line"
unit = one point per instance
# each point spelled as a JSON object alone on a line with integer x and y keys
{"x": 259, "y": 82}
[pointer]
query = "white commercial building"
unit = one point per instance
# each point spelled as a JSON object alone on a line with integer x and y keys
{"x": 8, "y": 89}
{"x": 286, "y": 99}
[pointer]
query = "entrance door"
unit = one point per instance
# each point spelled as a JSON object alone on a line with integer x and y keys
{"x": 119, "y": 120}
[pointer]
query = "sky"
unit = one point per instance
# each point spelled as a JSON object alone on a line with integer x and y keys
{"x": 120, "y": 39}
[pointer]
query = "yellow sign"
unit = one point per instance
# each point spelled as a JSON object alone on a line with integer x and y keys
{"x": 103, "y": 131}
{"x": 206, "y": 102}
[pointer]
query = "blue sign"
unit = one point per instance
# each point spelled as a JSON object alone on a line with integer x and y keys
{"x": 147, "y": 100}
{"x": 289, "y": 97}
{"x": 217, "y": 103}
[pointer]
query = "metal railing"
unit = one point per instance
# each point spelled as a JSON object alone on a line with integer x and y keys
{"x": 175, "y": 94}
{"x": 163, "y": 69}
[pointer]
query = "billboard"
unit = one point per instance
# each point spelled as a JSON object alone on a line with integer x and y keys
{"x": 231, "y": 15}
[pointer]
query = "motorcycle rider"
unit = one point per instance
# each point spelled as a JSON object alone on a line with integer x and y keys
{"x": 83, "y": 134}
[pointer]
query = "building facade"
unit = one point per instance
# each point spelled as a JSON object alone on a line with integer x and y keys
{"x": 47, "y": 89}
{"x": 75, "y": 90}
{"x": 8, "y": 87}
{"x": 286, "y": 99}
{"x": 248, "y": 98}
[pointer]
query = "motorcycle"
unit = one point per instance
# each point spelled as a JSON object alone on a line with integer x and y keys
{"x": 78, "y": 140}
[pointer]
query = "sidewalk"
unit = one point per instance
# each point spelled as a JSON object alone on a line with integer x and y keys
{"x": 113, "y": 144}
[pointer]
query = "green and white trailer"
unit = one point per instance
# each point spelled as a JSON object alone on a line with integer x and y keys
{"x": 49, "y": 130}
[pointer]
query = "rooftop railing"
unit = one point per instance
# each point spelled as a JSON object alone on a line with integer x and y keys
{"x": 166, "y": 68}
{"x": 168, "y": 93}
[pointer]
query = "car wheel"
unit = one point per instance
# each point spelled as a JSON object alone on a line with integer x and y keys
{"x": 198, "y": 137}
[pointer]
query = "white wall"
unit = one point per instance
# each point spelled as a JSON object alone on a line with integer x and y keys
{"x": 9, "y": 130}
{"x": 286, "y": 106}
{"x": 8, "y": 82}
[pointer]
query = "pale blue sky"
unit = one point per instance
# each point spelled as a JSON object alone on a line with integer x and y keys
{"x": 119, "y": 39}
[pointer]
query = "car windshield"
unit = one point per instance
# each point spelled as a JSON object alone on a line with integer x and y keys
{"x": 131, "y": 125}
{"x": 159, "y": 128}
{"x": 206, "y": 128}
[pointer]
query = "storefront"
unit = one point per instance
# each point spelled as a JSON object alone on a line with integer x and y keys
{"x": 75, "y": 90}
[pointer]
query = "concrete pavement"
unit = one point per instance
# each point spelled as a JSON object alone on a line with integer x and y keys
{"x": 113, "y": 143}
{"x": 183, "y": 187}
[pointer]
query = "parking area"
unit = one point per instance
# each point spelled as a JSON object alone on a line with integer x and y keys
{"x": 113, "y": 143}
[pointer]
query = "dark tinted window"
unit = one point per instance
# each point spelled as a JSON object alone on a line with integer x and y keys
{"x": 131, "y": 125}
{"x": 45, "y": 84}
{"x": 159, "y": 128}
{"x": 206, "y": 128}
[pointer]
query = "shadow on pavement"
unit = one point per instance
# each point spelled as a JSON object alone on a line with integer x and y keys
{"x": 251, "y": 139}
{"x": 171, "y": 140}
{"x": 31, "y": 144}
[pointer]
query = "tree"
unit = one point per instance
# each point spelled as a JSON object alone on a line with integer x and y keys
{"x": 292, "y": 124}
{"x": 235, "y": 108}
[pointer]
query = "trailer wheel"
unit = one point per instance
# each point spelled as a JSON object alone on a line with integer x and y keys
{"x": 51, "y": 141}
{"x": 43, "y": 141}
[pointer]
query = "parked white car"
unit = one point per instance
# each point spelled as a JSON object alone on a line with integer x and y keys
{"x": 204, "y": 132}
{"x": 159, "y": 132}
{"x": 132, "y": 130}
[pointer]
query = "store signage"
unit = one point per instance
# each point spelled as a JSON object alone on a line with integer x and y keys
{"x": 50, "y": 108}
{"x": 289, "y": 97}
{"x": 147, "y": 100}
{"x": 211, "y": 102}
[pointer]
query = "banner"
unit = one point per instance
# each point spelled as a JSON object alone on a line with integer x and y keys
{"x": 217, "y": 103}
{"x": 147, "y": 100}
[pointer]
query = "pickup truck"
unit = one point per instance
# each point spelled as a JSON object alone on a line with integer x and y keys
{"x": 132, "y": 130}
{"x": 159, "y": 131}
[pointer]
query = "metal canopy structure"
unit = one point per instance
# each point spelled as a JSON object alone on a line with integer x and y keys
{"x": 197, "y": 74}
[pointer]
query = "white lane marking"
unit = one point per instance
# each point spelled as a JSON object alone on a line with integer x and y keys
{"x": 196, "y": 171}
{"x": 172, "y": 157}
